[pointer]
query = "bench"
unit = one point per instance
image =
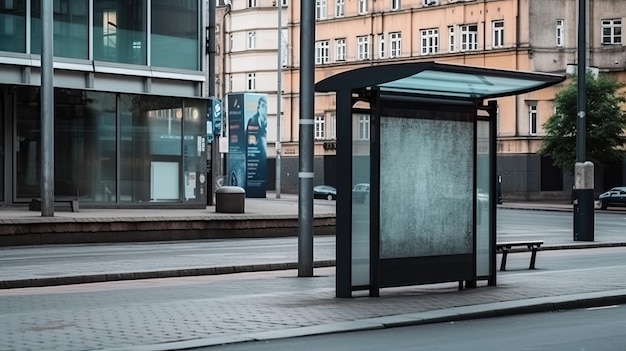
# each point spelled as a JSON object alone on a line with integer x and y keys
{"x": 505, "y": 248}
{"x": 35, "y": 204}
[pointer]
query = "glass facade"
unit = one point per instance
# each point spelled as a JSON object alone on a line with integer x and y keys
{"x": 120, "y": 31}
{"x": 71, "y": 28}
{"x": 13, "y": 26}
{"x": 174, "y": 34}
{"x": 113, "y": 148}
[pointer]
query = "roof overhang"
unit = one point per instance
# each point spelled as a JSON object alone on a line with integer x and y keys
{"x": 439, "y": 80}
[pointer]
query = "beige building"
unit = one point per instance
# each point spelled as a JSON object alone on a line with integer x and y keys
{"x": 527, "y": 35}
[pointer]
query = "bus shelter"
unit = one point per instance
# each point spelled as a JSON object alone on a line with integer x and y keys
{"x": 416, "y": 181}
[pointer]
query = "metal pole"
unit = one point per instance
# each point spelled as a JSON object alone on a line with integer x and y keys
{"x": 581, "y": 135}
{"x": 306, "y": 173}
{"x": 215, "y": 155}
{"x": 583, "y": 171}
{"x": 279, "y": 95}
{"x": 47, "y": 110}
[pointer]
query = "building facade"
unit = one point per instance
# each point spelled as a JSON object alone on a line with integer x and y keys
{"x": 508, "y": 34}
{"x": 129, "y": 117}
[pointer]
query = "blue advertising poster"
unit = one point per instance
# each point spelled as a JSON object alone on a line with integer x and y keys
{"x": 256, "y": 142}
{"x": 236, "y": 161}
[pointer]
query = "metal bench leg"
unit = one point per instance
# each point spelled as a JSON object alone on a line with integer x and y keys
{"x": 505, "y": 252}
{"x": 532, "y": 258}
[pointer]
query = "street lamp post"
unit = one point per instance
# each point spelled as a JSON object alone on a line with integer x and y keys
{"x": 583, "y": 170}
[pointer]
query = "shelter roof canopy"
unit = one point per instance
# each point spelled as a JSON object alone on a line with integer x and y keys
{"x": 440, "y": 80}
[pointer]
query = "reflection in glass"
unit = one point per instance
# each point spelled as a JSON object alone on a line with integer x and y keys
{"x": 482, "y": 199}
{"x": 119, "y": 33}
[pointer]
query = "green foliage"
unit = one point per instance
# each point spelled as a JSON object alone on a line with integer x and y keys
{"x": 606, "y": 123}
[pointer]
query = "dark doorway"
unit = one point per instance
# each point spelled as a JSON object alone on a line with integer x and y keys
{"x": 551, "y": 176}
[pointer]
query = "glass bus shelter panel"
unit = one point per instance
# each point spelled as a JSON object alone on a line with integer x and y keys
{"x": 482, "y": 199}
{"x": 361, "y": 161}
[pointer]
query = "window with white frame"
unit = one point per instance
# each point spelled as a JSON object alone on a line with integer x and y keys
{"x": 285, "y": 2}
{"x": 363, "y": 47}
{"x": 251, "y": 81}
{"x": 340, "y": 8}
{"x": 321, "y": 52}
{"x": 560, "y": 33}
{"x": 232, "y": 42}
{"x": 362, "y": 7}
{"x": 332, "y": 124}
{"x": 251, "y": 43}
{"x": 252, "y": 3}
{"x": 469, "y": 37}
{"x": 320, "y": 9}
{"x": 430, "y": 41}
{"x": 395, "y": 44}
{"x": 340, "y": 49}
{"x": 395, "y": 5}
{"x": 381, "y": 46}
{"x": 364, "y": 127}
{"x": 611, "y": 31}
{"x": 429, "y": 2}
{"x": 451, "y": 39}
{"x": 320, "y": 126}
{"x": 498, "y": 33}
{"x": 532, "y": 119}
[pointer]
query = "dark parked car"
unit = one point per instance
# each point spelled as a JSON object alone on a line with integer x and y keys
{"x": 325, "y": 192}
{"x": 613, "y": 197}
{"x": 361, "y": 193}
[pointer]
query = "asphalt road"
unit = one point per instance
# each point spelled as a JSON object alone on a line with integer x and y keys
{"x": 598, "y": 329}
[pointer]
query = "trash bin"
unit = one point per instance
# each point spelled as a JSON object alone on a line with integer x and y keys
{"x": 230, "y": 199}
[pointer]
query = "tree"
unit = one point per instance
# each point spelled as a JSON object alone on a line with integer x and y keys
{"x": 606, "y": 124}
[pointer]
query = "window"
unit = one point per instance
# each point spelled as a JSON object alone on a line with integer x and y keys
{"x": 498, "y": 34}
{"x": 395, "y": 43}
{"x": 430, "y": 41}
{"x": 532, "y": 119}
{"x": 469, "y": 37}
{"x": 339, "y": 8}
{"x": 251, "y": 83}
{"x": 321, "y": 52}
{"x": 451, "y": 42}
{"x": 611, "y": 31}
{"x": 429, "y": 2}
{"x": 284, "y": 2}
{"x": 119, "y": 32}
{"x": 364, "y": 127}
{"x": 251, "y": 44}
{"x": 332, "y": 124}
{"x": 252, "y": 3}
{"x": 362, "y": 7}
{"x": 340, "y": 49}
{"x": 320, "y": 125}
{"x": 381, "y": 46}
{"x": 395, "y": 5}
{"x": 560, "y": 33}
{"x": 363, "y": 48}
{"x": 174, "y": 47}
{"x": 320, "y": 9}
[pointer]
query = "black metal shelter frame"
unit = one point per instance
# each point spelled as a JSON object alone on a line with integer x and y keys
{"x": 430, "y": 163}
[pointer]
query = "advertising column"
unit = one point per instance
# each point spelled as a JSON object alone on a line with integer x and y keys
{"x": 247, "y": 143}
{"x": 256, "y": 142}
